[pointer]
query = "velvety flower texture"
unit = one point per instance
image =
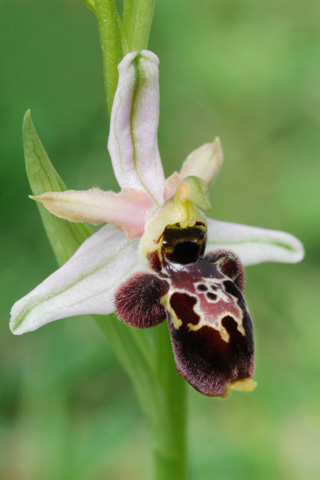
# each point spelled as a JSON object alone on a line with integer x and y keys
{"x": 159, "y": 257}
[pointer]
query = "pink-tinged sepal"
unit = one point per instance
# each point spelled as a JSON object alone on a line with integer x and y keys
{"x": 137, "y": 301}
{"x": 210, "y": 326}
{"x": 126, "y": 210}
{"x": 133, "y": 143}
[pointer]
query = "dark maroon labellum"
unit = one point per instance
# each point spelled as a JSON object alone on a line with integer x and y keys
{"x": 201, "y": 297}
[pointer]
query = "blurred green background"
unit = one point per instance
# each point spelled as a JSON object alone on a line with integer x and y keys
{"x": 247, "y": 71}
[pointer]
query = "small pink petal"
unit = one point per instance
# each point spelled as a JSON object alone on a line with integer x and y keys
{"x": 126, "y": 210}
{"x": 171, "y": 186}
{"x": 204, "y": 162}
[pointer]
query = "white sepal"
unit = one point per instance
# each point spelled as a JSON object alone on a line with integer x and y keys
{"x": 83, "y": 285}
{"x": 254, "y": 245}
{"x": 133, "y": 143}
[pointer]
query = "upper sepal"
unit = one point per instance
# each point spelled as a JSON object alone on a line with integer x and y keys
{"x": 133, "y": 143}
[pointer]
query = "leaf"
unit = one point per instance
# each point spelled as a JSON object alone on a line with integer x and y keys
{"x": 64, "y": 237}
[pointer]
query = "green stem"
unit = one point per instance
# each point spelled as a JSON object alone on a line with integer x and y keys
{"x": 161, "y": 394}
{"x": 111, "y": 44}
{"x": 168, "y": 427}
{"x": 137, "y": 20}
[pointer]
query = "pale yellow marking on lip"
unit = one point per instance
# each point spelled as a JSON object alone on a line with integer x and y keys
{"x": 244, "y": 385}
{"x": 221, "y": 260}
{"x": 173, "y": 316}
{"x": 219, "y": 328}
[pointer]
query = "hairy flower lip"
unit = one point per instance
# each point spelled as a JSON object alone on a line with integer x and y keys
{"x": 146, "y": 204}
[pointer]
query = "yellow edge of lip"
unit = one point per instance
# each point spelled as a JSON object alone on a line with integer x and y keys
{"x": 244, "y": 385}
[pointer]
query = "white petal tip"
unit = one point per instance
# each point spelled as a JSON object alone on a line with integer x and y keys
{"x": 17, "y": 331}
{"x": 295, "y": 249}
{"x": 14, "y": 324}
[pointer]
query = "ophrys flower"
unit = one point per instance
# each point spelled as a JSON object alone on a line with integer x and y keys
{"x": 159, "y": 256}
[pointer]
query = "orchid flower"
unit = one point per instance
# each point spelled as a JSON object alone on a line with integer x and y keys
{"x": 159, "y": 257}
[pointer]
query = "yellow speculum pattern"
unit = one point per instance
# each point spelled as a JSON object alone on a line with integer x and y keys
{"x": 173, "y": 316}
